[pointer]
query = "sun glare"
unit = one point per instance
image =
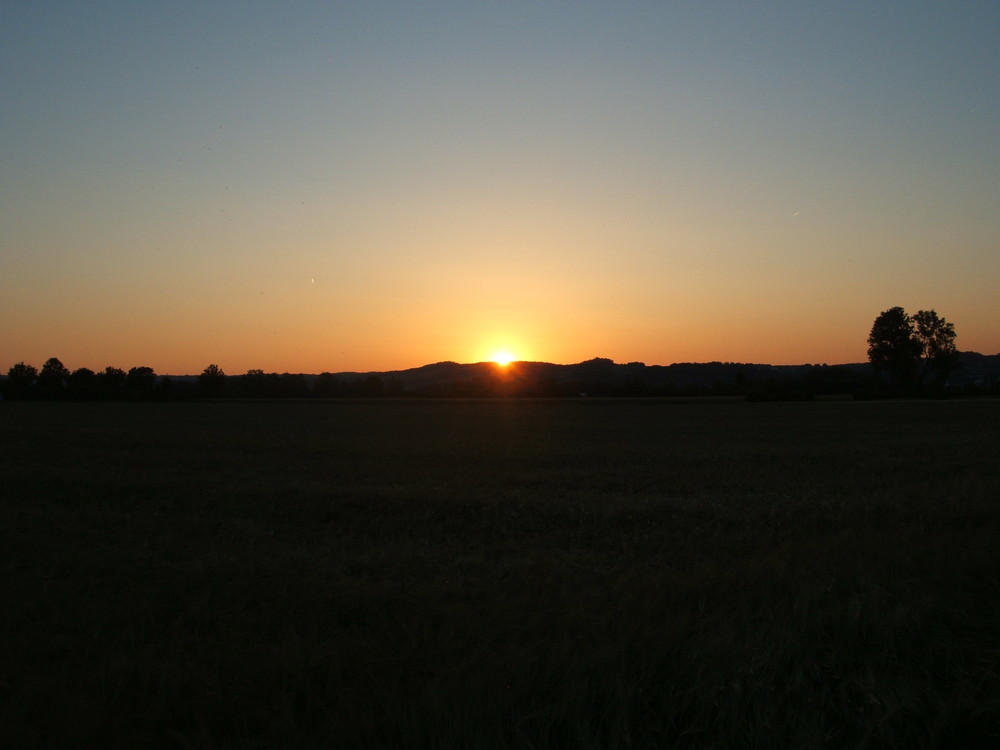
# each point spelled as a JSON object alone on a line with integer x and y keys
{"x": 502, "y": 358}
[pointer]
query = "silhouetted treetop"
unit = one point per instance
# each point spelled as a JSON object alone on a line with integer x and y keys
{"x": 111, "y": 382}
{"x": 82, "y": 383}
{"x": 906, "y": 349}
{"x": 937, "y": 343}
{"x": 140, "y": 382}
{"x": 20, "y": 381}
{"x": 52, "y": 379}
{"x": 212, "y": 380}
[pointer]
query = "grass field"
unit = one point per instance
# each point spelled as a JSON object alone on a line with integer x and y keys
{"x": 500, "y": 574}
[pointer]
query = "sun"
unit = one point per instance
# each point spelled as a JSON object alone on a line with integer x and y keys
{"x": 502, "y": 358}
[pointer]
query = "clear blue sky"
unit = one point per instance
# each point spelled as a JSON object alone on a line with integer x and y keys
{"x": 312, "y": 186}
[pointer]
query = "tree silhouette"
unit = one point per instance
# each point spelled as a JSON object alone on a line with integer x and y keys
{"x": 20, "y": 381}
{"x": 52, "y": 379}
{"x": 111, "y": 382}
{"x": 212, "y": 381}
{"x": 937, "y": 343}
{"x": 140, "y": 382}
{"x": 893, "y": 349}
{"x": 906, "y": 349}
{"x": 82, "y": 383}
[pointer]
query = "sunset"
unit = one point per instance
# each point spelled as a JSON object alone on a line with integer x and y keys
{"x": 502, "y": 374}
{"x": 502, "y": 358}
{"x": 375, "y": 186}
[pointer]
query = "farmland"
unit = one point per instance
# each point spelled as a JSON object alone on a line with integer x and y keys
{"x": 580, "y": 573}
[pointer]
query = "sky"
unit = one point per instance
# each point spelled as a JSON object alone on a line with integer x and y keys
{"x": 370, "y": 186}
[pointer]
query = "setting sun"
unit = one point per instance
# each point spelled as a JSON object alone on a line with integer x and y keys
{"x": 525, "y": 208}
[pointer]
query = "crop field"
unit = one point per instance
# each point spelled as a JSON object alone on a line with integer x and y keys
{"x": 500, "y": 574}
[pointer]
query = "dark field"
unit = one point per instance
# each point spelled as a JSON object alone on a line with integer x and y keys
{"x": 500, "y": 574}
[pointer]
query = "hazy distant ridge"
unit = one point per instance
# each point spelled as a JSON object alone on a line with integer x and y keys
{"x": 600, "y": 372}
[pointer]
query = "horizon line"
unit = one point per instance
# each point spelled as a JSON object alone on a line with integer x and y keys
{"x": 506, "y": 366}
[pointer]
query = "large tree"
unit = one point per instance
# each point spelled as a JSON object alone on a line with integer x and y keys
{"x": 140, "y": 382}
{"x": 937, "y": 344}
{"x": 111, "y": 382}
{"x": 82, "y": 383}
{"x": 52, "y": 379}
{"x": 20, "y": 381}
{"x": 893, "y": 348}
{"x": 906, "y": 349}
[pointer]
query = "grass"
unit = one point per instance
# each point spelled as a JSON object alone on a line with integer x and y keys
{"x": 498, "y": 574}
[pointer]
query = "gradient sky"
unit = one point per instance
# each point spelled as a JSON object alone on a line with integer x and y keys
{"x": 310, "y": 186}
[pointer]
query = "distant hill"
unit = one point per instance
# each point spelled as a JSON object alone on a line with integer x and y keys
{"x": 982, "y": 370}
{"x": 601, "y": 376}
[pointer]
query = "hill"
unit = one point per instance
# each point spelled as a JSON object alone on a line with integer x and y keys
{"x": 602, "y": 376}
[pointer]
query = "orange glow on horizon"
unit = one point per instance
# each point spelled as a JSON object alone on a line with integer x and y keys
{"x": 502, "y": 358}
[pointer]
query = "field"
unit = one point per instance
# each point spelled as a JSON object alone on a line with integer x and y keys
{"x": 500, "y": 574}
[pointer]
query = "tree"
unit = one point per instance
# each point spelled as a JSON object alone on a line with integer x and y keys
{"x": 20, "y": 380}
{"x": 82, "y": 383}
{"x": 111, "y": 382}
{"x": 52, "y": 379}
{"x": 140, "y": 382}
{"x": 937, "y": 344}
{"x": 893, "y": 348}
{"x": 906, "y": 349}
{"x": 212, "y": 381}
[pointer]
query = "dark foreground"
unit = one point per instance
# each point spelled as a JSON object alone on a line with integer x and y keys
{"x": 500, "y": 574}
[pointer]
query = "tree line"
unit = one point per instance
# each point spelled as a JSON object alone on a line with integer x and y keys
{"x": 484, "y": 380}
{"x": 908, "y": 355}
{"x": 55, "y": 381}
